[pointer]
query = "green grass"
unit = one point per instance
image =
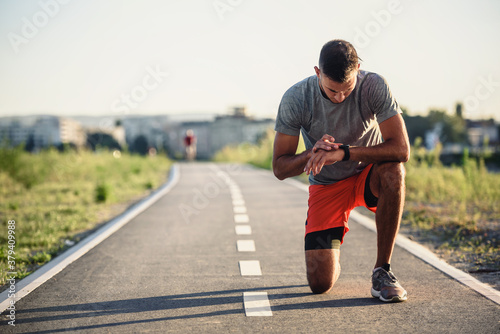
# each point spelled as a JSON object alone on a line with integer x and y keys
{"x": 260, "y": 155}
{"x": 55, "y": 198}
{"x": 454, "y": 208}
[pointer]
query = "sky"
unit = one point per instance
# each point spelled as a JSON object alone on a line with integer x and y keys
{"x": 118, "y": 57}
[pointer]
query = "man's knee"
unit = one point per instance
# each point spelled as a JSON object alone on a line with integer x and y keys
{"x": 391, "y": 175}
{"x": 323, "y": 269}
{"x": 319, "y": 286}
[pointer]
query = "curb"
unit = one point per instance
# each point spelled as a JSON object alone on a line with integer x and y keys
{"x": 422, "y": 253}
{"x": 49, "y": 270}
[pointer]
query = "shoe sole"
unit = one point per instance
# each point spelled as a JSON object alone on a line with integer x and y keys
{"x": 395, "y": 299}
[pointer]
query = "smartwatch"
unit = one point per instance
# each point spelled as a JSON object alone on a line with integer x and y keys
{"x": 347, "y": 155}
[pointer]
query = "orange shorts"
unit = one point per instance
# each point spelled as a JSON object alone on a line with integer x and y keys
{"x": 330, "y": 205}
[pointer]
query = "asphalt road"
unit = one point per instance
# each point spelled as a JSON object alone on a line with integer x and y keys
{"x": 176, "y": 268}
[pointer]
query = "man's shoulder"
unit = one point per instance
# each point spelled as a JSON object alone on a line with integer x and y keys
{"x": 303, "y": 88}
{"x": 367, "y": 78}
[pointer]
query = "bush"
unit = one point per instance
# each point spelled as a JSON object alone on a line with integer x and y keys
{"x": 15, "y": 162}
{"x": 102, "y": 192}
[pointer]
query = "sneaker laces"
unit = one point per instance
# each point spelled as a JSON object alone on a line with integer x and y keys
{"x": 387, "y": 276}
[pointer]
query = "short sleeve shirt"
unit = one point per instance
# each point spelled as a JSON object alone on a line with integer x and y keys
{"x": 304, "y": 109}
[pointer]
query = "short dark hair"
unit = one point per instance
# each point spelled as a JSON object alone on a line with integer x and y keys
{"x": 337, "y": 60}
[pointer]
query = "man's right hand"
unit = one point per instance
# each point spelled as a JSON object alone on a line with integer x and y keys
{"x": 326, "y": 143}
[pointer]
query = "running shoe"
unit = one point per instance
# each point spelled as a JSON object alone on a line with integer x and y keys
{"x": 386, "y": 287}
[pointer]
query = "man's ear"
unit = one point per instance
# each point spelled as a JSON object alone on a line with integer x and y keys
{"x": 316, "y": 69}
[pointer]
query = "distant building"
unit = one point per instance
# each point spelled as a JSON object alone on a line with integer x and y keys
{"x": 214, "y": 135}
{"x": 152, "y": 128}
{"x": 44, "y": 131}
{"x": 160, "y": 131}
{"x": 481, "y": 132}
{"x": 57, "y": 130}
{"x": 18, "y": 133}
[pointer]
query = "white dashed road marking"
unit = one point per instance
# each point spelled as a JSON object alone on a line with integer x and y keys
{"x": 245, "y": 245}
{"x": 243, "y": 229}
{"x": 250, "y": 268}
{"x": 257, "y": 304}
{"x": 241, "y": 218}
{"x": 239, "y": 209}
{"x": 238, "y": 202}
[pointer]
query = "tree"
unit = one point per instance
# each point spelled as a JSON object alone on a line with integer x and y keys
{"x": 458, "y": 110}
{"x": 416, "y": 126}
{"x": 30, "y": 144}
{"x": 99, "y": 139}
{"x": 140, "y": 145}
{"x": 452, "y": 127}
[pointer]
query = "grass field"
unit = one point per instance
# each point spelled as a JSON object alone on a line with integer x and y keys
{"x": 55, "y": 198}
{"x": 454, "y": 210}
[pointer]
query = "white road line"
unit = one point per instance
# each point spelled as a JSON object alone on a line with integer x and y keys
{"x": 431, "y": 258}
{"x": 243, "y": 229}
{"x": 423, "y": 253}
{"x": 235, "y": 198}
{"x": 241, "y": 218}
{"x": 239, "y": 209}
{"x": 238, "y": 202}
{"x": 245, "y": 245}
{"x": 257, "y": 304}
{"x": 250, "y": 268}
{"x": 47, "y": 271}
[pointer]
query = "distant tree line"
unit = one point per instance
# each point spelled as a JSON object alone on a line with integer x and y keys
{"x": 452, "y": 127}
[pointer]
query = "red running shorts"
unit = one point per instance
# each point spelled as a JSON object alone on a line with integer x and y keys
{"x": 330, "y": 205}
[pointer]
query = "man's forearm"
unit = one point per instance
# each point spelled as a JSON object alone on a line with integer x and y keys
{"x": 290, "y": 165}
{"x": 387, "y": 151}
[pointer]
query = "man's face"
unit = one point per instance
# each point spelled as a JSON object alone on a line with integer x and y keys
{"x": 336, "y": 92}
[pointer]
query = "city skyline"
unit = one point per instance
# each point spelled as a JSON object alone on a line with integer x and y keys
{"x": 74, "y": 58}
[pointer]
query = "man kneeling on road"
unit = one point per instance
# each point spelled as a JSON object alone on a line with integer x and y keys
{"x": 356, "y": 144}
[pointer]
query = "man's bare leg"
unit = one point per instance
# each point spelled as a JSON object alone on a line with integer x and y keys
{"x": 323, "y": 269}
{"x": 387, "y": 183}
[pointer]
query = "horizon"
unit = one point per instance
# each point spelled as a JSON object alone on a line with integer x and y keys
{"x": 214, "y": 114}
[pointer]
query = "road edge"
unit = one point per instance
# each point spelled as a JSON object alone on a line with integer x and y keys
{"x": 50, "y": 269}
{"x": 422, "y": 253}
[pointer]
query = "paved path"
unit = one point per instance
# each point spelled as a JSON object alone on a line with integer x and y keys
{"x": 177, "y": 268}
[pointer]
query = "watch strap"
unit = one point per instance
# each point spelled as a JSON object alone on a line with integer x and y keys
{"x": 347, "y": 154}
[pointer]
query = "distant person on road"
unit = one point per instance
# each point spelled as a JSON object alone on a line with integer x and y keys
{"x": 190, "y": 145}
{"x": 356, "y": 144}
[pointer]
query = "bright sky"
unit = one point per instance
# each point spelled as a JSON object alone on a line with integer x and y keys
{"x": 112, "y": 57}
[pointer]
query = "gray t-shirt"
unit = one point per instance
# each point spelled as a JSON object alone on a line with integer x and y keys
{"x": 354, "y": 121}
